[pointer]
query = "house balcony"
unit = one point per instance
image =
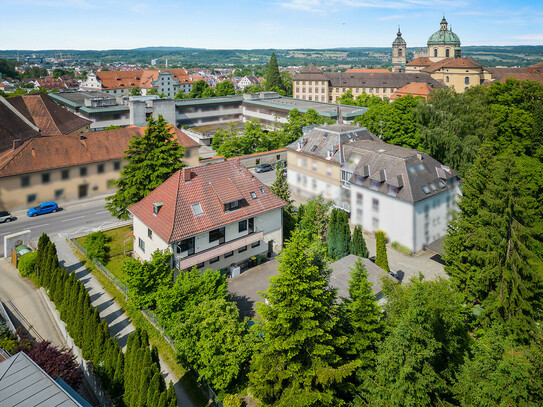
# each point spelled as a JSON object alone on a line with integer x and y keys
{"x": 186, "y": 262}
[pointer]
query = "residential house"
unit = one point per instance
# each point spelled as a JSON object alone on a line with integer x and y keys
{"x": 401, "y": 191}
{"x": 71, "y": 166}
{"x": 314, "y": 161}
{"x": 120, "y": 83}
{"x": 533, "y": 73}
{"x": 413, "y": 89}
{"x": 217, "y": 216}
{"x": 247, "y": 81}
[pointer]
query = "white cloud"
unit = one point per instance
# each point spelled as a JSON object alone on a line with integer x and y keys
{"x": 529, "y": 37}
{"x": 320, "y": 6}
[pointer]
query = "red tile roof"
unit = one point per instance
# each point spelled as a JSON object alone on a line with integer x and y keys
{"x": 368, "y": 70}
{"x": 137, "y": 78}
{"x": 47, "y": 153}
{"x": 50, "y": 118}
{"x": 413, "y": 89}
{"x": 176, "y": 220}
{"x": 452, "y": 63}
{"x": 420, "y": 61}
{"x": 14, "y": 127}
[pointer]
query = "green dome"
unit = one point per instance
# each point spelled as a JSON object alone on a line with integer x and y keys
{"x": 444, "y": 37}
{"x": 399, "y": 39}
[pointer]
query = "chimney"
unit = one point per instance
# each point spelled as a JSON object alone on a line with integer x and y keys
{"x": 186, "y": 174}
{"x": 156, "y": 207}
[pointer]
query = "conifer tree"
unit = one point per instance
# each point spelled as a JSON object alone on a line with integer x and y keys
{"x": 298, "y": 363}
{"x": 273, "y": 77}
{"x": 118, "y": 377}
{"x": 154, "y": 355}
{"x": 152, "y": 159}
{"x": 364, "y": 316}
{"x": 494, "y": 249}
{"x": 78, "y": 322}
{"x": 381, "y": 258}
{"x": 153, "y": 392}
{"x": 332, "y": 233}
{"x": 42, "y": 253}
{"x": 171, "y": 397}
{"x": 358, "y": 244}
{"x": 280, "y": 188}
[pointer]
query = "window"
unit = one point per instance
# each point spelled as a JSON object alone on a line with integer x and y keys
{"x": 375, "y": 185}
{"x": 261, "y": 191}
{"x": 229, "y": 254}
{"x": 117, "y": 165}
{"x": 242, "y": 249}
{"x": 329, "y": 170}
{"x": 314, "y": 165}
{"x": 251, "y": 225}
{"x": 231, "y": 206}
{"x": 214, "y": 260}
{"x": 466, "y": 80}
{"x": 30, "y": 198}
{"x": 392, "y": 190}
{"x": 400, "y": 52}
{"x": 149, "y": 233}
{"x": 141, "y": 244}
{"x": 45, "y": 178}
{"x": 197, "y": 209}
{"x": 217, "y": 234}
{"x": 304, "y": 162}
{"x": 83, "y": 171}
{"x": 257, "y": 161}
{"x": 59, "y": 193}
{"x": 359, "y": 198}
{"x": 375, "y": 223}
{"x": 100, "y": 169}
{"x": 242, "y": 226}
{"x": 25, "y": 181}
{"x": 65, "y": 174}
{"x": 447, "y": 79}
{"x": 435, "y": 52}
{"x": 447, "y": 53}
{"x": 375, "y": 204}
{"x": 359, "y": 215}
{"x": 255, "y": 244}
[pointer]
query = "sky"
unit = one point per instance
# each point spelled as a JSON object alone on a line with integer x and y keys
{"x": 247, "y": 24}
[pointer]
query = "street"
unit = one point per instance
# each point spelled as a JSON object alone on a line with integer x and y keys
{"x": 75, "y": 217}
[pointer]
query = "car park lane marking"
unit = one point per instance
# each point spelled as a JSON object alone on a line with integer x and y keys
{"x": 99, "y": 213}
{"x": 77, "y": 217}
{"x": 39, "y": 226}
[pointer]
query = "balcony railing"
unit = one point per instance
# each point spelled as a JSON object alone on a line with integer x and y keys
{"x": 186, "y": 262}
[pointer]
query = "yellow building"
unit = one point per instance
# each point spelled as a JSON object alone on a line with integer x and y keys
{"x": 70, "y": 167}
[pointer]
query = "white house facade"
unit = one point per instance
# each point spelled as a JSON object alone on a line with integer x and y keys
{"x": 218, "y": 216}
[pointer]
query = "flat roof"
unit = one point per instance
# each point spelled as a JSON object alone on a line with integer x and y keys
{"x": 204, "y": 101}
{"x": 77, "y": 99}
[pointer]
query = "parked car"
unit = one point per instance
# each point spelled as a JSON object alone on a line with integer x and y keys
{"x": 46, "y": 207}
{"x": 264, "y": 168}
{"x": 5, "y": 216}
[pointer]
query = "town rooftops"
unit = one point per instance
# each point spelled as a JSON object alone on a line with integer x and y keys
{"x": 413, "y": 89}
{"x": 404, "y": 173}
{"x": 324, "y": 141}
{"x": 44, "y": 113}
{"x": 136, "y": 78}
{"x": 420, "y": 61}
{"x": 311, "y": 73}
{"x": 368, "y": 70}
{"x": 24, "y": 383}
{"x": 531, "y": 73}
{"x": 193, "y": 203}
{"x": 48, "y": 153}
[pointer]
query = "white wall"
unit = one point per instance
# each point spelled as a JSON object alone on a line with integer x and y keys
{"x": 308, "y": 186}
{"x": 394, "y": 216}
{"x": 151, "y": 244}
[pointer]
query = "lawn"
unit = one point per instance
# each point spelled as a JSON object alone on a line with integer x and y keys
{"x": 121, "y": 240}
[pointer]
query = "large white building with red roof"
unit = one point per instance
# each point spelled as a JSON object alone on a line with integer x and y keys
{"x": 218, "y": 216}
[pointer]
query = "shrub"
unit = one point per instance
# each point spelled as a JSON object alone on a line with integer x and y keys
{"x": 401, "y": 248}
{"x": 381, "y": 258}
{"x": 27, "y": 263}
{"x": 96, "y": 245}
{"x": 233, "y": 400}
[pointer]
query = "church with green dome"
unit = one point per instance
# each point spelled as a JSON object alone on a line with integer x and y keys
{"x": 444, "y": 43}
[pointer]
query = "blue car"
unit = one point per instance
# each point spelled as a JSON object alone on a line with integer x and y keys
{"x": 46, "y": 207}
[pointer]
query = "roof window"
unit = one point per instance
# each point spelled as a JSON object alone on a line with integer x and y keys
{"x": 253, "y": 195}
{"x": 313, "y": 148}
{"x": 197, "y": 209}
{"x": 426, "y": 189}
{"x": 261, "y": 191}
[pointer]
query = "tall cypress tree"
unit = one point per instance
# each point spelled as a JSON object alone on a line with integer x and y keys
{"x": 332, "y": 234}
{"x": 358, "y": 244}
{"x": 280, "y": 188}
{"x": 298, "y": 360}
{"x": 273, "y": 76}
{"x": 152, "y": 159}
{"x": 494, "y": 249}
{"x": 381, "y": 258}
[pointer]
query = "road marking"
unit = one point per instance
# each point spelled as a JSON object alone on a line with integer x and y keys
{"x": 99, "y": 213}
{"x": 77, "y": 217}
{"x": 39, "y": 226}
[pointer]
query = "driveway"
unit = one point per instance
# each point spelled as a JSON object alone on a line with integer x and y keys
{"x": 245, "y": 287}
{"x": 26, "y": 306}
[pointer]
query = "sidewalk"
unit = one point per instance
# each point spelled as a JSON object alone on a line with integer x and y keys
{"x": 25, "y": 301}
{"x": 119, "y": 324}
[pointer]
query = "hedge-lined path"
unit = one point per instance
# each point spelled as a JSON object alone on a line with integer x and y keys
{"x": 119, "y": 324}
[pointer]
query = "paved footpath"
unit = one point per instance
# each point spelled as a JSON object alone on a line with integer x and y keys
{"x": 25, "y": 304}
{"x": 119, "y": 324}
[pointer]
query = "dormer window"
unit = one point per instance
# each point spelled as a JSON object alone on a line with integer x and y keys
{"x": 253, "y": 195}
{"x": 156, "y": 207}
{"x": 261, "y": 191}
{"x": 231, "y": 206}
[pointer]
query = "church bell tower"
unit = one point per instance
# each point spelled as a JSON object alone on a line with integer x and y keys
{"x": 399, "y": 50}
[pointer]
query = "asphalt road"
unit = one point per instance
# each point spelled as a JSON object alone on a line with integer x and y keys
{"x": 75, "y": 218}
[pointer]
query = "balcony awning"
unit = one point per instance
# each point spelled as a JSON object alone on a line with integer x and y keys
{"x": 188, "y": 262}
